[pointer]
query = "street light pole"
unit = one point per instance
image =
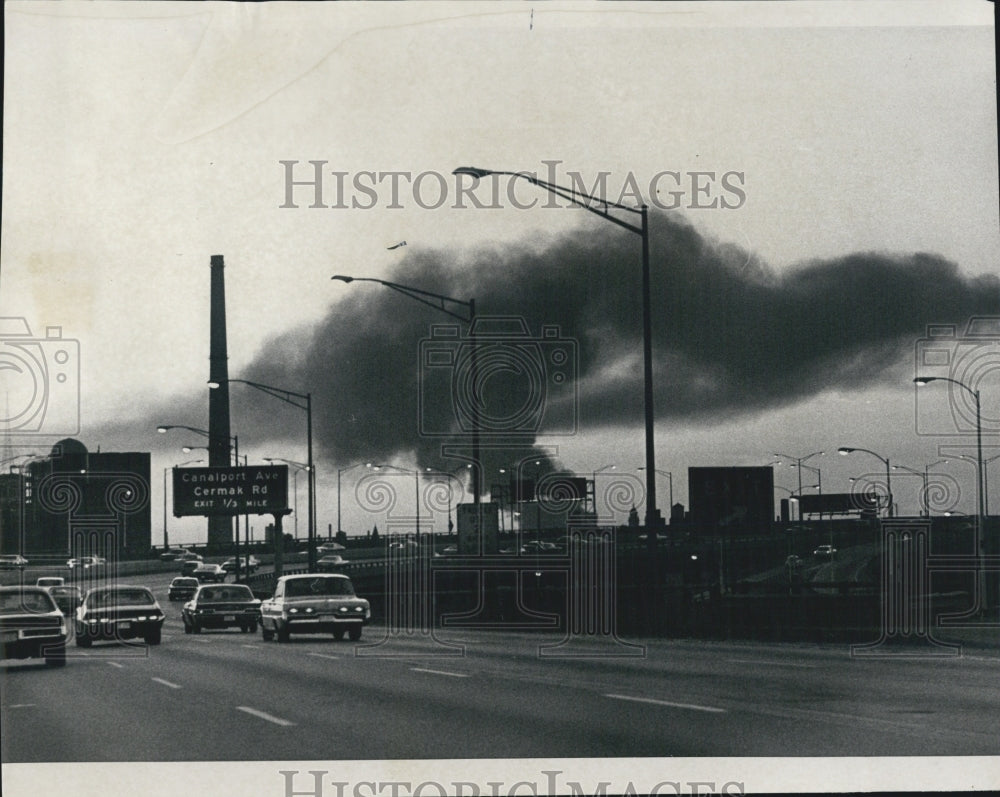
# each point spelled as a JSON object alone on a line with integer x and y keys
{"x": 298, "y": 466}
{"x": 670, "y": 485}
{"x": 798, "y": 462}
{"x": 845, "y": 450}
{"x": 234, "y": 449}
{"x": 981, "y": 490}
{"x": 986, "y": 497}
{"x": 304, "y": 402}
{"x": 166, "y": 537}
{"x": 980, "y": 472}
{"x": 924, "y": 500}
{"x": 341, "y": 472}
{"x": 442, "y": 303}
{"x": 653, "y": 520}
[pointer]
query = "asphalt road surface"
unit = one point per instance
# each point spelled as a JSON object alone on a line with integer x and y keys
{"x": 229, "y": 696}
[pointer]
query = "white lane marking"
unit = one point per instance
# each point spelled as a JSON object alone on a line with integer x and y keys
{"x": 22, "y": 705}
{"x": 203, "y": 641}
{"x": 773, "y": 663}
{"x": 323, "y": 656}
{"x": 441, "y": 672}
{"x": 252, "y": 647}
{"x": 116, "y": 664}
{"x": 264, "y": 716}
{"x": 668, "y": 703}
{"x": 167, "y": 683}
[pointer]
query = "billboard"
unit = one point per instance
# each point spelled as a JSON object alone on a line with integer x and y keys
{"x": 731, "y": 497}
{"x": 838, "y": 503}
{"x": 249, "y": 490}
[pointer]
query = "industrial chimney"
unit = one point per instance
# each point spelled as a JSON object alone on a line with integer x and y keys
{"x": 220, "y": 527}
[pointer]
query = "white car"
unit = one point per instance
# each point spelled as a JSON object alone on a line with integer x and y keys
{"x": 824, "y": 552}
{"x": 316, "y": 603}
{"x": 330, "y": 563}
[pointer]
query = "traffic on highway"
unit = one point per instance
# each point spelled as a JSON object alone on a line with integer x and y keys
{"x": 136, "y": 664}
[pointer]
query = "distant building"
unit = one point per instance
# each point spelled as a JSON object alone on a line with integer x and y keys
{"x": 77, "y": 503}
{"x": 11, "y": 488}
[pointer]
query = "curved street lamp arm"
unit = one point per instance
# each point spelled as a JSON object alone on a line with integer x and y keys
{"x": 431, "y": 299}
{"x": 849, "y": 449}
{"x": 569, "y": 194}
{"x": 279, "y": 393}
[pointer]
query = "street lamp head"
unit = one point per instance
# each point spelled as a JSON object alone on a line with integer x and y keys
{"x": 214, "y": 385}
{"x": 844, "y": 450}
{"x": 342, "y": 278}
{"x": 473, "y": 172}
{"x": 923, "y": 380}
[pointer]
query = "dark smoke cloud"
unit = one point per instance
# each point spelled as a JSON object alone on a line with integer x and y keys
{"x": 731, "y": 336}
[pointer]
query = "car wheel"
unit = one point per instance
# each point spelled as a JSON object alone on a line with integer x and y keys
{"x": 283, "y": 634}
{"x": 82, "y": 640}
{"x": 187, "y": 627}
{"x": 195, "y": 628}
{"x": 338, "y": 633}
{"x": 355, "y": 633}
{"x": 56, "y": 657}
{"x": 153, "y": 637}
{"x": 266, "y": 634}
{"x": 252, "y": 628}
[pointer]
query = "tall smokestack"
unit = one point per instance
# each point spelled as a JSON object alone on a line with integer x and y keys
{"x": 220, "y": 527}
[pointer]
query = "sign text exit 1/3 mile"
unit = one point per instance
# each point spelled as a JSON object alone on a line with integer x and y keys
{"x": 250, "y": 490}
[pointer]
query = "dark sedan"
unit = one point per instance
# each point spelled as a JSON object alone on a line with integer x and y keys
{"x": 31, "y": 625}
{"x": 118, "y": 613}
{"x": 221, "y": 606}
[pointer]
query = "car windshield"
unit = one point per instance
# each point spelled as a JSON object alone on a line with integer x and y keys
{"x": 60, "y": 592}
{"x": 231, "y": 593}
{"x": 119, "y": 597}
{"x": 185, "y": 582}
{"x": 306, "y": 587}
{"x": 16, "y": 602}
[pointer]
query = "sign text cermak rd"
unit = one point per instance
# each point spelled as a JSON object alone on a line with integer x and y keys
{"x": 250, "y": 490}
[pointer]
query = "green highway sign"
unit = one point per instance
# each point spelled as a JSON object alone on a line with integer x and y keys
{"x": 249, "y": 490}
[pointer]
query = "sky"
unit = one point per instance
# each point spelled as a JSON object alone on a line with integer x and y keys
{"x": 822, "y": 188}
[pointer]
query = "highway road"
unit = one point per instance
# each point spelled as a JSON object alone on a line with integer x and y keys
{"x": 229, "y": 696}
